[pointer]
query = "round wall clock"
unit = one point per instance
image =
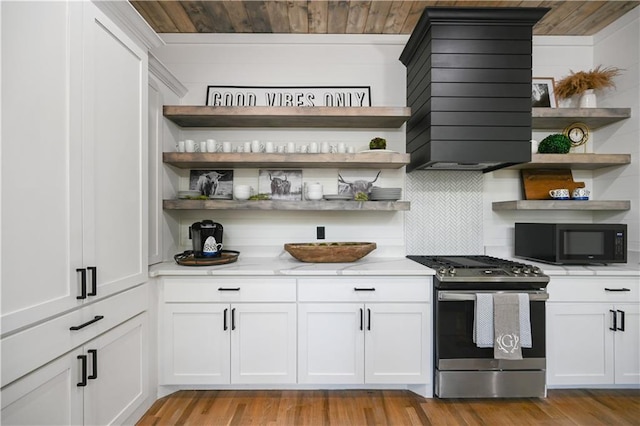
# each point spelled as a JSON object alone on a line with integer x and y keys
{"x": 578, "y": 133}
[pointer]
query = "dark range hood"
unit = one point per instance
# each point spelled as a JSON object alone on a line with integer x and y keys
{"x": 469, "y": 88}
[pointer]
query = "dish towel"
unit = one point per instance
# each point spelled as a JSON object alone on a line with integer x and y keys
{"x": 525, "y": 320}
{"x": 506, "y": 326}
{"x": 483, "y": 321}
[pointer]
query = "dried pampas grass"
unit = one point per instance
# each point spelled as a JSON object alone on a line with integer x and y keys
{"x": 577, "y": 83}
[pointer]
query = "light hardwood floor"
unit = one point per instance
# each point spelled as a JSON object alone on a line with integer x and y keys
{"x": 363, "y": 407}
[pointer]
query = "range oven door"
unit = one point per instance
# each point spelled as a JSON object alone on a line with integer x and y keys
{"x": 462, "y": 370}
{"x": 454, "y": 346}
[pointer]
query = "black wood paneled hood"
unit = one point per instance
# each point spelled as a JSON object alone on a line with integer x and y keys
{"x": 469, "y": 88}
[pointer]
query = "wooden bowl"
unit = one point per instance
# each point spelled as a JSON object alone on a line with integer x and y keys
{"x": 329, "y": 252}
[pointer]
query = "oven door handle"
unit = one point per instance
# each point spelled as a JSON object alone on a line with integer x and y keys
{"x": 452, "y": 296}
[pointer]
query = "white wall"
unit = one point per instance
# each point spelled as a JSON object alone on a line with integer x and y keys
{"x": 617, "y": 45}
{"x": 286, "y": 60}
{"x": 451, "y": 211}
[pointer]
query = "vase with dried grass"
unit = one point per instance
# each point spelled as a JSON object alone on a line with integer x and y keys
{"x": 585, "y": 83}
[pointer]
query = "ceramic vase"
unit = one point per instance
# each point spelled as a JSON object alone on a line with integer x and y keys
{"x": 588, "y": 99}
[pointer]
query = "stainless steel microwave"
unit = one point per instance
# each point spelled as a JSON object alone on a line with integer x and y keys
{"x": 572, "y": 243}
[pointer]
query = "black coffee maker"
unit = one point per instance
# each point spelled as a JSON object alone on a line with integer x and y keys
{"x": 206, "y": 238}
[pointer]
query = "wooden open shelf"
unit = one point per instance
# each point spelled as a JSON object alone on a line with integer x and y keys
{"x": 574, "y": 161}
{"x": 286, "y": 205}
{"x": 561, "y": 205}
{"x": 368, "y": 160}
{"x": 326, "y": 117}
{"x": 559, "y": 118}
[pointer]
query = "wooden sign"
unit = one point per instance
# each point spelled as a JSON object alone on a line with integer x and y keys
{"x": 289, "y": 96}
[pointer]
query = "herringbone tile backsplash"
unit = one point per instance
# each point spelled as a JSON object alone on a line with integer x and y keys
{"x": 446, "y": 212}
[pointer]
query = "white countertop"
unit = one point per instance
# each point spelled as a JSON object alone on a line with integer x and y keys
{"x": 399, "y": 266}
{"x": 289, "y": 266}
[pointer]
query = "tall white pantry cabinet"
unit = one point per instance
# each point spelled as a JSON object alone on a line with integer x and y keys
{"x": 74, "y": 216}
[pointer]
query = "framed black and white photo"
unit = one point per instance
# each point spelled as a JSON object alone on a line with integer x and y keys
{"x": 212, "y": 183}
{"x": 542, "y": 93}
{"x": 283, "y": 185}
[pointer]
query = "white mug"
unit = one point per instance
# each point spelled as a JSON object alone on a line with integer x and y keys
{"x": 351, "y": 150}
{"x": 242, "y": 192}
{"x": 291, "y": 147}
{"x": 313, "y": 147}
{"x": 342, "y": 148}
{"x": 203, "y": 146}
{"x": 280, "y": 148}
{"x": 325, "y": 148}
{"x": 559, "y": 194}
{"x": 247, "y": 147}
{"x": 268, "y": 147}
{"x": 581, "y": 193}
{"x": 190, "y": 145}
{"x": 226, "y": 146}
{"x": 239, "y": 149}
{"x": 303, "y": 149}
{"x": 256, "y": 146}
{"x": 180, "y": 146}
{"x": 211, "y": 145}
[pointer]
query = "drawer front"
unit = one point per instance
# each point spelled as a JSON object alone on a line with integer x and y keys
{"x": 207, "y": 289}
{"x": 594, "y": 289}
{"x": 29, "y": 349}
{"x": 378, "y": 289}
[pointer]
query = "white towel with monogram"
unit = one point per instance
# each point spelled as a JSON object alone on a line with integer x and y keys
{"x": 506, "y": 326}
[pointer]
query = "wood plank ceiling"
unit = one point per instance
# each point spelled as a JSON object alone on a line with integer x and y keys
{"x": 356, "y": 16}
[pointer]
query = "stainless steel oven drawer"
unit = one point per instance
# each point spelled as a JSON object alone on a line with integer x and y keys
{"x": 490, "y": 384}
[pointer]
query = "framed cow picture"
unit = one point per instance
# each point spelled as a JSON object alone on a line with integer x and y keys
{"x": 283, "y": 185}
{"x": 217, "y": 184}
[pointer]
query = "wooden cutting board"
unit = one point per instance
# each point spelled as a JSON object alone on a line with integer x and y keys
{"x": 538, "y": 182}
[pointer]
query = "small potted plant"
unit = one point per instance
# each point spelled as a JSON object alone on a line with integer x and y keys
{"x": 585, "y": 82}
{"x": 378, "y": 143}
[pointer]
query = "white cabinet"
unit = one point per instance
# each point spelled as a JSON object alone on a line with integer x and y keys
{"x": 354, "y": 331}
{"x": 74, "y": 179}
{"x": 593, "y": 332}
{"x": 240, "y": 331}
{"x": 101, "y": 382}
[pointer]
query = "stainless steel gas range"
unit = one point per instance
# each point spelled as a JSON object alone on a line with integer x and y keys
{"x": 461, "y": 368}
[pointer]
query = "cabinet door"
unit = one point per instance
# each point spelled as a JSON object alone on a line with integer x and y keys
{"x": 579, "y": 344}
{"x": 396, "y": 343}
{"x": 627, "y": 345}
{"x": 47, "y": 396}
{"x": 114, "y": 135}
{"x": 118, "y": 377}
{"x": 195, "y": 343}
{"x": 41, "y": 181}
{"x": 331, "y": 343}
{"x": 263, "y": 343}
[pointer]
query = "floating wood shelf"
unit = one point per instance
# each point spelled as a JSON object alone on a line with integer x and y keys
{"x": 286, "y": 205}
{"x": 559, "y": 118}
{"x": 326, "y": 117}
{"x": 561, "y": 205}
{"x": 574, "y": 161}
{"x": 368, "y": 160}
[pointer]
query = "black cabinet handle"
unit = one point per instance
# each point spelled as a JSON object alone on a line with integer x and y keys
{"x": 94, "y": 280}
{"x": 369, "y": 320}
{"x": 615, "y": 320}
{"x": 94, "y": 361}
{"x": 621, "y": 328}
{"x": 224, "y": 322}
{"x": 83, "y": 283}
{"x": 364, "y": 289}
{"x": 617, "y": 289}
{"x": 233, "y": 318}
{"x": 83, "y": 372}
{"x": 361, "y": 319}
{"x": 78, "y": 327}
{"x": 229, "y": 289}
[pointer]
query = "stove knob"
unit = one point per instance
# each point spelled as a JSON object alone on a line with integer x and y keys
{"x": 516, "y": 270}
{"x": 442, "y": 270}
{"x": 536, "y": 270}
{"x": 526, "y": 270}
{"x": 452, "y": 270}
